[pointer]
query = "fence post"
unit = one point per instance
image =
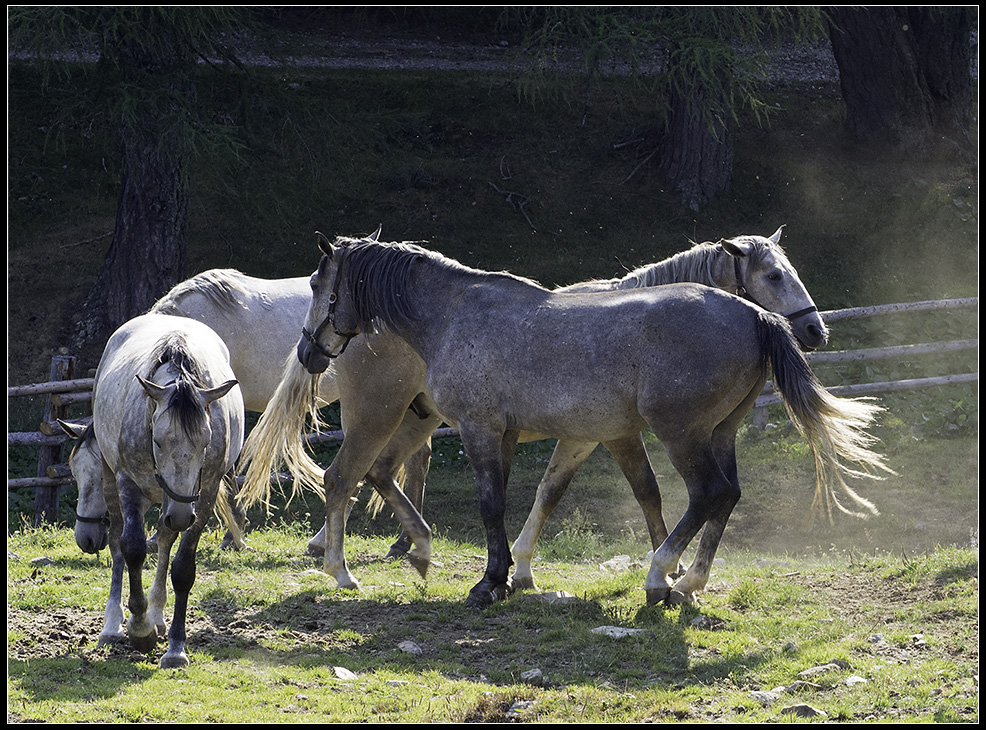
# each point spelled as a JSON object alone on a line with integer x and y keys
{"x": 46, "y": 498}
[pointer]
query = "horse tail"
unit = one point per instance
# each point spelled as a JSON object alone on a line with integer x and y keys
{"x": 278, "y": 437}
{"x": 835, "y": 428}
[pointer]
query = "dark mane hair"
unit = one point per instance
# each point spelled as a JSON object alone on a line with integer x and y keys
{"x": 378, "y": 276}
{"x": 173, "y": 351}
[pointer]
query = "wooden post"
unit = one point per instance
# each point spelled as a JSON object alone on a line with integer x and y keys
{"x": 46, "y": 498}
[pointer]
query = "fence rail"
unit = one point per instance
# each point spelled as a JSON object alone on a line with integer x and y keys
{"x": 64, "y": 390}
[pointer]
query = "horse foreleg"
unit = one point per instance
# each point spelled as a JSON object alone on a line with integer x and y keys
{"x": 631, "y": 455}
{"x": 133, "y": 545}
{"x": 566, "y": 459}
{"x": 157, "y": 596}
{"x": 724, "y": 443}
{"x": 113, "y": 617}
{"x": 490, "y": 455}
{"x": 182, "y": 579}
{"x": 338, "y": 495}
{"x": 236, "y": 532}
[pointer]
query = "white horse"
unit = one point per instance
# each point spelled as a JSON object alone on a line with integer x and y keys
{"x": 169, "y": 419}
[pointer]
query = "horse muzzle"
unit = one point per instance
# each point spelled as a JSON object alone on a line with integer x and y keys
{"x": 809, "y": 329}
{"x": 313, "y": 360}
{"x": 91, "y": 535}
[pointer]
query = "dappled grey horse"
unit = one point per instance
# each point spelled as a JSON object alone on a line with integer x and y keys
{"x": 506, "y": 359}
{"x": 168, "y": 419}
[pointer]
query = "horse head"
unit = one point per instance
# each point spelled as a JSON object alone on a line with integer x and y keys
{"x": 181, "y": 430}
{"x": 331, "y": 322}
{"x": 86, "y": 463}
{"x": 766, "y": 277}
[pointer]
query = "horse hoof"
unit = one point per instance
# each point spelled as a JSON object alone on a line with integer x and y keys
{"x": 315, "y": 550}
{"x": 522, "y": 584}
{"x": 174, "y": 660}
{"x": 396, "y": 552}
{"x": 420, "y": 564}
{"x": 111, "y": 639}
{"x": 144, "y": 644}
{"x": 656, "y": 596}
{"x": 677, "y": 598}
{"x": 481, "y": 596}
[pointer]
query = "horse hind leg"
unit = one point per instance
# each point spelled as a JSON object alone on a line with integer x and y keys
{"x": 566, "y": 459}
{"x": 711, "y": 498}
{"x": 415, "y": 474}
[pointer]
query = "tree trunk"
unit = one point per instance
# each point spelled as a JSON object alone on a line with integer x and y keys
{"x": 696, "y": 150}
{"x": 902, "y": 69}
{"x": 147, "y": 255}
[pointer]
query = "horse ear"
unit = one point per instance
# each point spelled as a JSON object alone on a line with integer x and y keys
{"x": 219, "y": 391}
{"x": 72, "y": 430}
{"x": 324, "y": 244}
{"x": 375, "y": 236}
{"x": 155, "y": 391}
{"x": 776, "y": 238}
{"x": 735, "y": 247}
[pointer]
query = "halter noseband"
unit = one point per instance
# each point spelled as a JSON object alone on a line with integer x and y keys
{"x": 742, "y": 292}
{"x": 329, "y": 321}
{"x": 102, "y": 520}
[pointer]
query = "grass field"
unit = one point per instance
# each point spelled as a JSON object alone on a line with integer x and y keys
{"x": 892, "y": 602}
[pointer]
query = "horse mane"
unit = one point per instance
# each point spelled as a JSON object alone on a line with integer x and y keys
{"x": 221, "y": 286}
{"x": 378, "y": 276}
{"x": 694, "y": 265}
{"x": 172, "y": 350}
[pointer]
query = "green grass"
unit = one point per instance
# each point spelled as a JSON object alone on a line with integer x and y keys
{"x": 267, "y": 633}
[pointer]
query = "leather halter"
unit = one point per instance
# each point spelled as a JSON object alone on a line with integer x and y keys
{"x": 329, "y": 321}
{"x": 742, "y": 292}
{"x": 102, "y": 520}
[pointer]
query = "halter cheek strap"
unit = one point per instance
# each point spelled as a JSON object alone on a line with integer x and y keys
{"x": 329, "y": 321}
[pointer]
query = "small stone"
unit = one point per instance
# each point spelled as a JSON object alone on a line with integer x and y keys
{"x": 765, "y": 698}
{"x": 343, "y": 673}
{"x": 409, "y": 647}
{"x": 533, "y": 677}
{"x": 616, "y": 632}
{"x": 803, "y": 710}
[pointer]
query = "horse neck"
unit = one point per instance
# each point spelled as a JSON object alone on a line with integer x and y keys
{"x": 702, "y": 264}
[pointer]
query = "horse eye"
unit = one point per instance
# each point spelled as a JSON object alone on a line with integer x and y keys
{"x": 774, "y": 276}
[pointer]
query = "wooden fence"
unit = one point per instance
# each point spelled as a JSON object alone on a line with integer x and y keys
{"x": 64, "y": 390}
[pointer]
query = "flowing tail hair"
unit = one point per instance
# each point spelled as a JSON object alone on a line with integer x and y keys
{"x": 835, "y": 428}
{"x": 278, "y": 437}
